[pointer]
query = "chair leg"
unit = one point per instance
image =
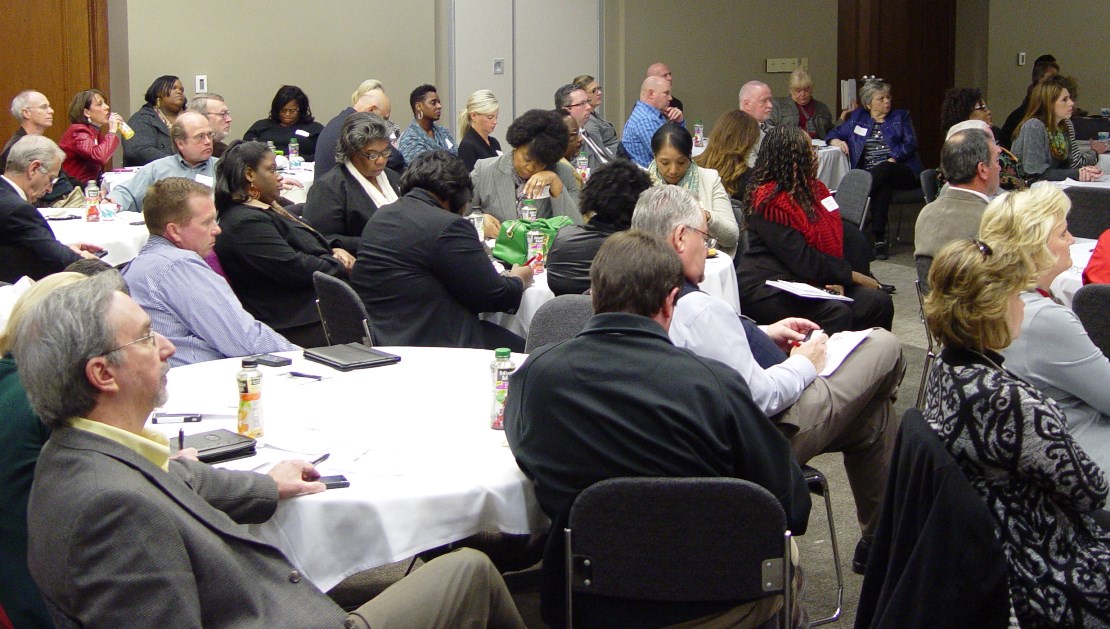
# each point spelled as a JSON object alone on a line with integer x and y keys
{"x": 836, "y": 559}
{"x": 929, "y": 356}
{"x": 567, "y": 584}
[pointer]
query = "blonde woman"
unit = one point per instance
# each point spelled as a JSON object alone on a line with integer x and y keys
{"x": 1053, "y": 353}
{"x": 476, "y": 123}
{"x": 800, "y": 109}
{"x": 1011, "y": 442}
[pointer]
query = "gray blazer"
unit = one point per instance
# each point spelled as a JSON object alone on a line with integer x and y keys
{"x": 1035, "y": 156}
{"x": 955, "y": 214}
{"x": 495, "y": 190}
{"x": 117, "y": 542}
{"x": 785, "y": 112}
{"x": 602, "y": 131}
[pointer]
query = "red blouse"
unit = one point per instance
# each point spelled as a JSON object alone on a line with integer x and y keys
{"x": 826, "y": 234}
{"x": 87, "y": 150}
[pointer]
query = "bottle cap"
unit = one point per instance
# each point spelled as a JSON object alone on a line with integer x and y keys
{"x": 250, "y": 362}
{"x": 502, "y": 352}
{"x": 529, "y": 202}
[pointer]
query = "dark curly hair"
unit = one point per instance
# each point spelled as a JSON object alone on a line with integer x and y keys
{"x": 785, "y": 159}
{"x": 958, "y": 104}
{"x": 285, "y": 94}
{"x": 544, "y": 134}
{"x": 611, "y": 193}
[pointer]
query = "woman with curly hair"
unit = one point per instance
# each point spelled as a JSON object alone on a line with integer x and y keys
{"x": 1013, "y": 444}
{"x": 795, "y": 234}
{"x": 966, "y": 103}
{"x": 290, "y": 117}
{"x": 531, "y": 170}
{"x": 610, "y": 196}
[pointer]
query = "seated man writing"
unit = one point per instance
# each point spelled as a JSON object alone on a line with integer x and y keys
{"x": 186, "y": 300}
{"x": 621, "y": 400}
{"x": 848, "y": 412}
{"x": 122, "y": 536}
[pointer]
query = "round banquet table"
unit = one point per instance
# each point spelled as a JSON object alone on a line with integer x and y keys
{"x": 413, "y": 439}
{"x": 122, "y": 239}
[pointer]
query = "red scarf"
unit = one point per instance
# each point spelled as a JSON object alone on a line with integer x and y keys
{"x": 825, "y": 234}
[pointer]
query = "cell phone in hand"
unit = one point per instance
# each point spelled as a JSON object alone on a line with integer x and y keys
{"x": 335, "y": 482}
{"x": 271, "y": 360}
{"x": 101, "y": 253}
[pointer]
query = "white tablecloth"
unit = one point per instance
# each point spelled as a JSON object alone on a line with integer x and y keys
{"x": 305, "y": 175}
{"x": 413, "y": 439}
{"x": 122, "y": 239}
{"x": 1104, "y": 162}
{"x": 720, "y": 281}
{"x": 832, "y": 165}
{"x": 1067, "y": 283}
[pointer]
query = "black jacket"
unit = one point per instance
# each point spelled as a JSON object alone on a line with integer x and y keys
{"x": 338, "y": 207}
{"x": 472, "y": 148}
{"x": 571, "y": 255}
{"x": 151, "y": 140}
{"x": 27, "y": 244}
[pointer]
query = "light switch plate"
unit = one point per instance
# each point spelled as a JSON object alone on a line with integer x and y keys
{"x": 201, "y": 83}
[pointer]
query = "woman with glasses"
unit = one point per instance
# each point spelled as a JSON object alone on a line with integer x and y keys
{"x": 267, "y": 254}
{"x": 1045, "y": 494}
{"x": 340, "y": 202}
{"x": 671, "y": 146}
{"x": 476, "y": 123}
{"x": 795, "y": 234}
{"x": 290, "y": 117}
{"x": 966, "y": 103}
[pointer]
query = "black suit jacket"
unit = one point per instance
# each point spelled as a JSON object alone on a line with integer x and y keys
{"x": 472, "y": 148}
{"x": 269, "y": 261}
{"x": 338, "y": 207}
{"x": 27, "y": 244}
{"x": 424, "y": 276}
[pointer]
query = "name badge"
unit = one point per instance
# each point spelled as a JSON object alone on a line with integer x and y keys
{"x": 830, "y": 204}
{"x": 204, "y": 179}
{"x": 447, "y": 141}
{"x": 301, "y": 132}
{"x": 860, "y": 131}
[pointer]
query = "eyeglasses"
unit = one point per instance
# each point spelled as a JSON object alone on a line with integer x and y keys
{"x": 222, "y": 114}
{"x": 984, "y": 248}
{"x": 148, "y": 337}
{"x": 201, "y": 137}
{"x": 710, "y": 241}
{"x": 289, "y": 112}
{"x": 44, "y": 107}
{"x": 376, "y": 155}
{"x": 583, "y": 103}
{"x": 982, "y": 107}
{"x": 596, "y": 90}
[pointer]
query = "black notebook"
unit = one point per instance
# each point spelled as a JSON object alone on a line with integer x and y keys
{"x": 217, "y": 446}
{"x": 350, "y": 356}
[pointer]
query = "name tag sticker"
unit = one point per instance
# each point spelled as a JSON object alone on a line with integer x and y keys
{"x": 204, "y": 179}
{"x": 830, "y": 204}
{"x": 447, "y": 141}
{"x": 860, "y": 131}
{"x": 301, "y": 132}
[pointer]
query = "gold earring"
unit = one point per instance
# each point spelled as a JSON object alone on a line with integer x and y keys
{"x": 253, "y": 192}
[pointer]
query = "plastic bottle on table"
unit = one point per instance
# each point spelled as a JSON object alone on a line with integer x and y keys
{"x": 582, "y": 165}
{"x": 478, "y": 220}
{"x": 92, "y": 201}
{"x": 295, "y": 159}
{"x": 273, "y": 149}
{"x": 528, "y": 210}
{"x": 699, "y": 133}
{"x": 537, "y": 244}
{"x": 500, "y": 369}
{"x": 249, "y": 381}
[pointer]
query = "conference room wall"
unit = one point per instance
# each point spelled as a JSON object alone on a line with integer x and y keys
{"x": 249, "y": 49}
{"x": 1069, "y": 29}
{"x": 713, "y": 47}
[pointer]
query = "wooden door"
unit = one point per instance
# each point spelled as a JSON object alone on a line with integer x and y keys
{"x": 58, "y": 47}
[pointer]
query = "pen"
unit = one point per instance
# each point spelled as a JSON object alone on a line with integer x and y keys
{"x": 180, "y": 439}
{"x": 530, "y": 261}
{"x": 807, "y": 337}
{"x": 297, "y": 374}
{"x": 320, "y": 459}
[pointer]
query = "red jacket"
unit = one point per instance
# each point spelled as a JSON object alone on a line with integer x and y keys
{"x": 87, "y": 150}
{"x": 1098, "y": 269}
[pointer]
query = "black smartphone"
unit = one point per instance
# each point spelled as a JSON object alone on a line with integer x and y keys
{"x": 101, "y": 253}
{"x": 335, "y": 482}
{"x": 272, "y": 361}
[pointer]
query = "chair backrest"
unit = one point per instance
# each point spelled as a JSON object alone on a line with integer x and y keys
{"x": 557, "y": 320}
{"x": 929, "y": 184}
{"x": 924, "y": 263}
{"x": 677, "y": 540}
{"x": 1091, "y": 304}
{"x": 1090, "y": 211}
{"x": 342, "y": 312}
{"x": 852, "y": 195}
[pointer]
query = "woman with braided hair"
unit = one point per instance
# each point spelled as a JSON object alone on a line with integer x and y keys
{"x": 795, "y": 234}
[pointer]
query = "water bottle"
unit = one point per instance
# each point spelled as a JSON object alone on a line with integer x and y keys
{"x": 699, "y": 133}
{"x": 478, "y": 220}
{"x": 537, "y": 243}
{"x": 249, "y": 381}
{"x": 528, "y": 210}
{"x": 295, "y": 159}
{"x": 270, "y": 144}
{"x": 582, "y": 165}
{"x": 500, "y": 369}
{"x": 92, "y": 201}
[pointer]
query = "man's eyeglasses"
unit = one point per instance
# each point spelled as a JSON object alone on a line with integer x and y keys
{"x": 201, "y": 137}
{"x": 982, "y": 107}
{"x": 710, "y": 241}
{"x": 582, "y": 104}
{"x": 222, "y": 114}
{"x": 376, "y": 155}
{"x": 148, "y": 337}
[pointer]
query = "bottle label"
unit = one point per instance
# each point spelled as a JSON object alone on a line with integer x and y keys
{"x": 250, "y": 405}
{"x": 500, "y": 391}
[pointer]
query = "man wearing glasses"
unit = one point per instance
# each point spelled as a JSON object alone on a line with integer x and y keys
{"x": 575, "y": 100}
{"x": 35, "y": 116}
{"x": 192, "y": 137}
{"x": 848, "y": 411}
{"x": 213, "y": 107}
{"x": 600, "y": 130}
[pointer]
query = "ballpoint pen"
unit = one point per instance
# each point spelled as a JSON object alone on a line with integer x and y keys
{"x": 320, "y": 459}
{"x": 180, "y": 439}
{"x": 298, "y": 374}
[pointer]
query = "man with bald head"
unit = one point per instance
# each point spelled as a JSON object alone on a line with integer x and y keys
{"x": 35, "y": 116}
{"x": 674, "y": 112}
{"x": 192, "y": 138}
{"x": 370, "y": 96}
{"x": 647, "y": 116}
{"x": 757, "y": 102}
